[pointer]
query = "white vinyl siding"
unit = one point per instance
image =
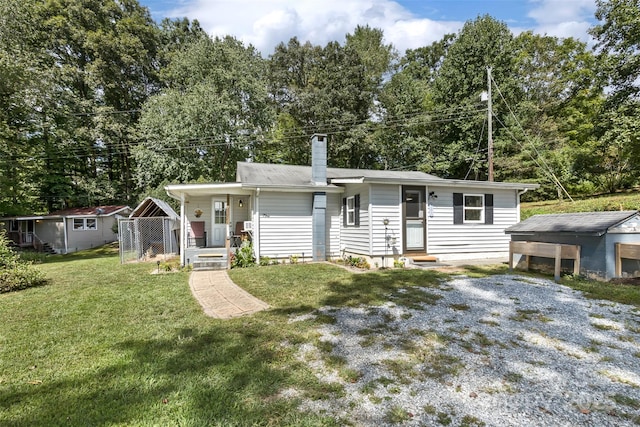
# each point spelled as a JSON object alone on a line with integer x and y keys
{"x": 86, "y": 239}
{"x": 285, "y": 224}
{"x": 356, "y": 239}
{"x": 385, "y": 204}
{"x": 472, "y": 239}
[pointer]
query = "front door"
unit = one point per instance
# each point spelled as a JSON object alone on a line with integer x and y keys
{"x": 218, "y": 223}
{"x": 413, "y": 204}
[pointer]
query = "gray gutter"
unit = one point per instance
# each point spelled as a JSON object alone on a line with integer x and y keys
{"x": 438, "y": 182}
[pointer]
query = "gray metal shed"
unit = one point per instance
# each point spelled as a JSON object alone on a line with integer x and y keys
{"x": 597, "y": 234}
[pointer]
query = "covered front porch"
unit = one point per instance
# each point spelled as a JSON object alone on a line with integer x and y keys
{"x": 214, "y": 220}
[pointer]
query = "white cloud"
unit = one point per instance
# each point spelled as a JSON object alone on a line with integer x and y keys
{"x": 567, "y": 18}
{"x": 265, "y": 23}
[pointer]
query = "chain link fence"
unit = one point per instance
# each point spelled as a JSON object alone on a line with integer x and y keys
{"x": 143, "y": 239}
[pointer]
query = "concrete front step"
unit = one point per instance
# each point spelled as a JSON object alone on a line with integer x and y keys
{"x": 208, "y": 265}
{"x": 210, "y": 262}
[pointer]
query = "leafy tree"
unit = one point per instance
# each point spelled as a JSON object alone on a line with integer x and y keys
{"x": 405, "y": 133}
{"x": 462, "y": 77}
{"x": 612, "y": 160}
{"x": 328, "y": 89}
{"x": 22, "y": 88}
{"x": 208, "y": 118}
{"x": 555, "y": 118}
{"x": 618, "y": 38}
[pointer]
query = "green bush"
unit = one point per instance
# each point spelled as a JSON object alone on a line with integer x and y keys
{"x": 244, "y": 256}
{"x": 358, "y": 262}
{"x": 265, "y": 260}
{"x": 16, "y": 274}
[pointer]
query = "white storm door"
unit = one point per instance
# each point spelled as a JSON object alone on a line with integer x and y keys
{"x": 218, "y": 223}
{"x": 414, "y": 219}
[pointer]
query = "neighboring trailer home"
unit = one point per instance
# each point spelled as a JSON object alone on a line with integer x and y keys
{"x": 325, "y": 213}
{"x": 152, "y": 229}
{"x": 596, "y": 233}
{"x": 67, "y": 230}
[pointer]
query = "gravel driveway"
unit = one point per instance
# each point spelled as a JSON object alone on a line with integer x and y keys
{"x": 503, "y": 350}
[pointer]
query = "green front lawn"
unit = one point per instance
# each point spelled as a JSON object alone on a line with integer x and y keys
{"x": 106, "y": 344}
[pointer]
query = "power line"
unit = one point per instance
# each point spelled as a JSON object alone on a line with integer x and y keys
{"x": 546, "y": 167}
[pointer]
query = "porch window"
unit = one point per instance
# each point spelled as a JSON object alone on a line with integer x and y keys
{"x": 80, "y": 224}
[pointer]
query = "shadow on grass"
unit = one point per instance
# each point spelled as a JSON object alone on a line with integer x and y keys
{"x": 228, "y": 375}
{"x": 108, "y": 250}
{"x": 379, "y": 287}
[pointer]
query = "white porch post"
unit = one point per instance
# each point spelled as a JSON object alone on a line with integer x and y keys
{"x": 183, "y": 225}
{"x": 256, "y": 225}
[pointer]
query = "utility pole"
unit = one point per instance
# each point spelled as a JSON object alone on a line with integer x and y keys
{"x": 489, "y": 126}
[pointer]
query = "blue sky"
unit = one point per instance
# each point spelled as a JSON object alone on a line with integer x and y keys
{"x": 406, "y": 23}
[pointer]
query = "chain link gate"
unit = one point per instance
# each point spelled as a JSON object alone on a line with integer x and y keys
{"x": 142, "y": 239}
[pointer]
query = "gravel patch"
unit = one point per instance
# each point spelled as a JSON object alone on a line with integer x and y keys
{"x": 503, "y": 350}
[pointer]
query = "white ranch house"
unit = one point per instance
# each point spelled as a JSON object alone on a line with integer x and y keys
{"x": 324, "y": 213}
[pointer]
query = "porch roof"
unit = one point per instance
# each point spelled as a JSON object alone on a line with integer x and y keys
{"x": 178, "y": 190}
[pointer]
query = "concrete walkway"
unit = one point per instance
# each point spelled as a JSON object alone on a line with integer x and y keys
{"x": 220, "y": 297}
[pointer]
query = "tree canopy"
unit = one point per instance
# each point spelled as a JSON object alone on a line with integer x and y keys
{"x": 100, "y": 104}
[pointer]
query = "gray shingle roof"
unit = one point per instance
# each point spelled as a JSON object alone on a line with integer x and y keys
{"x": 581, "y": 222}
{"x": 279, "y": 174}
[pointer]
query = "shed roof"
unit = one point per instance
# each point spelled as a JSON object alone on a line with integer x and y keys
{"x": 107, "y": 210}
{"x": 580, "y": 223}
{"x": 151, "y": 207}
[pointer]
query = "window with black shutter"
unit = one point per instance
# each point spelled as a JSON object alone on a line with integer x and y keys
{"x": 351, "y": 211}
{"x": 472, "y": 208}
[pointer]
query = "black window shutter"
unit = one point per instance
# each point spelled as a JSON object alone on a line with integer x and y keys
{"x": 356, "y": 213}
{"x": 488, "y": 208}
{"x": 344, "y": 211}
{"x": 458, "y": 209}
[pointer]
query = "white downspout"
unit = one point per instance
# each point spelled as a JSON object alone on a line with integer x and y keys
{"x": 183, "y": 225}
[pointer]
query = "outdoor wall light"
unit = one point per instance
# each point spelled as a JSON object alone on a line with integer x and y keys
{"x": 240, "y": 203}
{"x": 385, "y": 221}
{"x": 433, "y": 194}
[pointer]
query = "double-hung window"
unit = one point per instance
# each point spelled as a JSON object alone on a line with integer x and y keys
{"x": 469, "y": 208}
{"x": 80, "y": 224}
{"x": 351, "y": 211}
{"x": 473, "y": 208}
